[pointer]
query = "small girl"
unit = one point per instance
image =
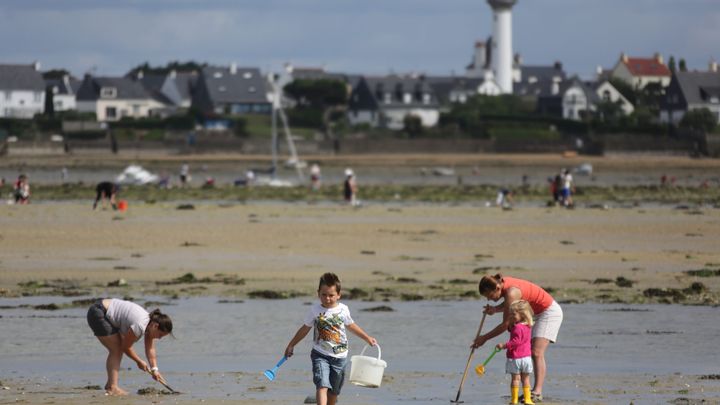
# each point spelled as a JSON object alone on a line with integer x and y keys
{"x": 519, "y": 361}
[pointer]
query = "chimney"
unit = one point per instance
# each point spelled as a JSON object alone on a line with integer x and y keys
{"x": 517, "y": 59}
{"x": 557, "y": 65}
{"x": 624, "y": 57}
{"x": 36, "y": 66}
{"x": 139, "y": 75}
{"x": 598, "y": 70}
{"x": 658, "y": 58}
{"x": 173, "y": 74}
{"x": 66, "y": 81}
{"x": 713, "y": 66}
{"x": 233, "y": 68}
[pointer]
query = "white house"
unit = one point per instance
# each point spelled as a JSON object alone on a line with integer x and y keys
{"x": 63, "y": 92}
{"x": 691, "y": 91}
{"x": 22, "y": 91}
{"x": 112, "y": 98}
{"x": 457, "y": 90}
{"x": 386, "y": 101}
{"x": 607, "y": 92}
{"x": 641, "y": 71}
{"x": 578, "y": 99}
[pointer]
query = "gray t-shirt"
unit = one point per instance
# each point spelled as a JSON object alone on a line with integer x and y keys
{"x": 126, "y": 315}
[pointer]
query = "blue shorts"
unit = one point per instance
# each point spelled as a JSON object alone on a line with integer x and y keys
{"x": 328, "y": 371}
{"x": 566, "y": 193}
{"x": 523, "y": 365}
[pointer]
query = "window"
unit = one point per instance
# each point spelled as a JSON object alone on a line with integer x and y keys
{"x": 387, "y": 98}
{"x": 217, "y": 75}
{"x": 606, "y": 95}
{"x": 222, "y": 89}
{"x": 37, "y": 97}
{"x": 8, "y": 95}
{"x": 252, "y": 89}
{"x": 407, "y": 98}
{"x": 136, "y": 109}
{"x": 58, "y": 104}
{"x": 247, "y": 75}
{"x": 426, "y": 98}
{"x": 108, "y": 92}
{"x": 110, "y": 112}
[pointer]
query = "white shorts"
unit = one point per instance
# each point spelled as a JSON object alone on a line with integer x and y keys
{"x": 522, "y": 365}
{"x": 547, "y": 324}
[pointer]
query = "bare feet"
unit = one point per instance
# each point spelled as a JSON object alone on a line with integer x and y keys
{"x": 115, "y": 391}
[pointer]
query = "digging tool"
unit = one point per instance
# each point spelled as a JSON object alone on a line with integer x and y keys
{"x": 467, "y": 366}
{"x": 165, "y": 385}
{"x": 270, "y": 374}
{"x": 480, "y": 369}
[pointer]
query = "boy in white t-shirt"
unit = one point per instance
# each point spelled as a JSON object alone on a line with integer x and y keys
{"x": 328, "y": 319}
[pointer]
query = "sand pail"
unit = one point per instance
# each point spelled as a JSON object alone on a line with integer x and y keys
{"x": 367, "y": 371}
{"x": 122, "y": 205}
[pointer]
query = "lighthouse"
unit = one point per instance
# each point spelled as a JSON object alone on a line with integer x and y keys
{"x": 502, "y": 52}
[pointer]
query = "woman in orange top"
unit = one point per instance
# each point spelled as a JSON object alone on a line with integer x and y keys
{"x": 548, "y": 318}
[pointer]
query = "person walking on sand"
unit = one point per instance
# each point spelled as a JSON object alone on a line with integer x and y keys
{"x": 21, "y": 190}
{"x": 315, "y": 177}
{"x": 329, "y": 319}
{"x": 548, "y": 318}
{"x": 519, "y": 362}
{"x": 568, "y": 188}
{"x": 106, "y": 191}
{"x": 184, "y": 174}
{"x": 350, "y": 188}
{"x": 118, "y": 324}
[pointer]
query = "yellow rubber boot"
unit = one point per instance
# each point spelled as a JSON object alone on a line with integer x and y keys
{"x": 527, "y": 396}
{"x": 514, "y": 391}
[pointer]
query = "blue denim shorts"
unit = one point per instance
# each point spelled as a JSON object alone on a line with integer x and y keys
{"x": 328, "y": 371}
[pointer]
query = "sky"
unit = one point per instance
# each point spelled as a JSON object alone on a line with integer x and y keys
{"x": 109, "y": 37}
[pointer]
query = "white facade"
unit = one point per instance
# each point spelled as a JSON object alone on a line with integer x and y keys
{"x": 502, "y": 55}
{"x": 21, "y": 103}
{"x": 607, "y": 92}
{"x": 575, "y": 103}
{"x": 394, "y": 118}
{"x": 114, "y": 110}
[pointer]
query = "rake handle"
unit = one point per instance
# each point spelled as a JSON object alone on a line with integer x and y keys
{"x": 164, "y": 385}
{"x": 469, "y": 360}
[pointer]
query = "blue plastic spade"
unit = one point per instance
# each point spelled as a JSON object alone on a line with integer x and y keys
{"x": 270, "y": 374}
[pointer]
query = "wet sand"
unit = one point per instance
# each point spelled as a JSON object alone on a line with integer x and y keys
{"x": 388, "y": 251}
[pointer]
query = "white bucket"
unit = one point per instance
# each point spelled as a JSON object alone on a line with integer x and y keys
{"x": 367, "y": 371}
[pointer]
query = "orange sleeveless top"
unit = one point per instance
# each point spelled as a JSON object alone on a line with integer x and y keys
{"x": 538, "y": 298}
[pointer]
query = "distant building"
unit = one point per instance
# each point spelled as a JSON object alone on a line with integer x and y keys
{"x": 541, "y": 84}
{"x": 112, "y": 98}
{"x": 691, "y": 91}
{"x": 232, "y": 90}
{"x": 457, "y": 90}
{"x": 63, "y": 92}
{"x": 173, "y": 90}
{"x": 638, "y": 72}
{"x": 22, "y": 91}
{"x": 580, "y": 99}
{"x": 386, "y": 101}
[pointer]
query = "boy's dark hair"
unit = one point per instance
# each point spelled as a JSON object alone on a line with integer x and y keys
{"x": 164, "y": 322}
{"x": 329, "y": 280}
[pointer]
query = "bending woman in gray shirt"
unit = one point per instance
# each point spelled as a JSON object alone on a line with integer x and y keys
{"x": 118, "y": 325}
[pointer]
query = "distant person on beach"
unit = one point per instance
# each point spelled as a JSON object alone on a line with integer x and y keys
{"x": 504, "y": 198}
{"x": 106, "y": 191}
{"x": 548, "y": 318}
{"x": 519, "y": 361}
{"x": 21, "y": 190}
{"x": 329, "y": 319}
{"x": 557, "y": 188}
{"x": 184, "y": 174}
{"x": 350, "y": 188}
{"x": 315, "y": 177}
{"x": 118, "y": 324}
{"x": 568, "y": 188}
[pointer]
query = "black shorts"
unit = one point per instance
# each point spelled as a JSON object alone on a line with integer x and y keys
{"x": 98, "y": 321}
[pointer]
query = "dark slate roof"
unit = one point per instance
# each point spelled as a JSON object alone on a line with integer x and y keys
{"x": 246, "y": 85}
{"x": 399, "y": 85}
{"x": 127, "y": 89}
{"x": 319, "y": 73}
{"x": 443, "y": 85}
{"x": 62, "y": 86}
{"x": 698, "y": 87}
{"x": 543, "y": 80}
{"x": 21, "y": 77}
{"x": 587, "y": 87}
{"x": 186, "y": 84}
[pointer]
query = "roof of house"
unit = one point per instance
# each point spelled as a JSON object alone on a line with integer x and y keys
{"x": 320, "y": 73}
{"x": 186, "y": 83}
{"x": 397, "y": 86}
{"x": 126, "y": 88}
{"x": 539, "y": 80}
{"x": 444, "y": 85}
{"x": 698, "y": 87}
{"x": 646, "y": 67}
{"x": 21, "y": 77}
{"x": 587, "y": 87}
{"x": 69, "y": 87}
{"x": 235, "y": 85}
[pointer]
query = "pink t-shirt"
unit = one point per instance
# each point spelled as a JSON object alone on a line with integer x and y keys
{"x": 519, "y": 344}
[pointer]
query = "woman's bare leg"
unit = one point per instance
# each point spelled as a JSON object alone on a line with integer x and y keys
{"x": 112, "y": 364}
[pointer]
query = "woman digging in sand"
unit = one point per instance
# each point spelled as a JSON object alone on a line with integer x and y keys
{"x": 548, "y": 318}
{"x": 118, "y": 324}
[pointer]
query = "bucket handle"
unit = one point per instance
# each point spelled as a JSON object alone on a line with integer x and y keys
{"x": 379, "y": 351}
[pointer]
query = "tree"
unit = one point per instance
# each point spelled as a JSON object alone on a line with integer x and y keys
{"x": 189, "y": 66}
{"x": 682, "y": 65}
{"x": 412, "y": 125}
{"x": 701, "y": 119}
{"x": 324, "y": 97}
{"x": 671, "y": 64}
{"x": 609, "y": 111}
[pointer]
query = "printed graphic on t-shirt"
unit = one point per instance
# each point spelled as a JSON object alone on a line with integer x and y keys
{"x": 330, "y": 333}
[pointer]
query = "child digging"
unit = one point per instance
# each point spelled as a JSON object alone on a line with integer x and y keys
{"x": 519, "y": 362}
{"x": 329, "y": 319}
